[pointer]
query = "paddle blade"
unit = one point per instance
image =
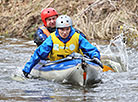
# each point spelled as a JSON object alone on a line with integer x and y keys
{"x": 84, "y": 75}
{"x": 107, "y": 68}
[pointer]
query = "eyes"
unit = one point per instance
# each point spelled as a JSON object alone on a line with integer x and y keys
{"x": 67, "y": 29}
{"x": 51, "y": 18}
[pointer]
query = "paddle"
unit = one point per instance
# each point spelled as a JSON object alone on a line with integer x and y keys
{"x": 107, "y": 68}
{"x": 104, "y": 67}
{"x": 97, "y": 61}
{"x": 94, "y": 60}
{"x": 56, "y": 62}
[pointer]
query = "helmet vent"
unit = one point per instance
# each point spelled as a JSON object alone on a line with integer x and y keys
{"x": 48, "y": 11}
{"x": 63, "y": 21}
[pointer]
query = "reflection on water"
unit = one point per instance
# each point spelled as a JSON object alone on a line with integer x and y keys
{"x": 115, "y": 87}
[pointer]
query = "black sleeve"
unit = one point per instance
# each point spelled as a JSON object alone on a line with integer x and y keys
{"x": 37, "y": 39}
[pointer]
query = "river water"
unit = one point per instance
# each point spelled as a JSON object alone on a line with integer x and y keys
{"x": 115, "y": 87}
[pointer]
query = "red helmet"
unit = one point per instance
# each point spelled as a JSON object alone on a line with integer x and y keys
{"x": 48, "y": 12}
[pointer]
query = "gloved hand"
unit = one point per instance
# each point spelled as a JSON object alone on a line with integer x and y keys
{"x": 97, "y": 61}
{"x": 38, "y": 39}
{"x": 25, "y": 74}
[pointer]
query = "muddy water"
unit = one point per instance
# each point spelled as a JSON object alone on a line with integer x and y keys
{"x": 116, "y": 87}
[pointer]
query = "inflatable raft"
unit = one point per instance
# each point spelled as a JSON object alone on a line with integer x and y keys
{"x": 75, "y": 69}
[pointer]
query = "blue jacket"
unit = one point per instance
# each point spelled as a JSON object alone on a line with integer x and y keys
{"x": 41, "y": 53}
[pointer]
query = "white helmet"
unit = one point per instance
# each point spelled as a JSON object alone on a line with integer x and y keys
{"x": 63, "y": 21}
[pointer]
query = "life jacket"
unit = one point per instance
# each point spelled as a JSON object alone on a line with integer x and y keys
{"x": 61, "y": 50}
{"x": 45, "y": 31}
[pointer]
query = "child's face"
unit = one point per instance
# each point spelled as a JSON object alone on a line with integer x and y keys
{"x": 64, "y": 32}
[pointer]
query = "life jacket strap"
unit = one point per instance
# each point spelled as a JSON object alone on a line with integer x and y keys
{"x": 45, "y": 31}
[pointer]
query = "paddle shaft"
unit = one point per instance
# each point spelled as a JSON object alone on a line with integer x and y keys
{"x": 94, "y": 60}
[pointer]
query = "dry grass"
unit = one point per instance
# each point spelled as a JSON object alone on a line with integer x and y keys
{"x": 98, "y": 19}
{"x": 102, "y": 18}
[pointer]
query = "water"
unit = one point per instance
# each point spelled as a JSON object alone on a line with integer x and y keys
{"x": 117, "y": 54}
{"x": 116, "y": 87}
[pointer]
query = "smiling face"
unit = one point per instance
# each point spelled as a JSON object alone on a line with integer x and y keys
{"x": 51, "y": 21}
{"x": 64, "y": 32}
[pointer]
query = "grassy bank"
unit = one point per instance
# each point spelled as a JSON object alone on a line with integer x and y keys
{"x": 98, "y": 19}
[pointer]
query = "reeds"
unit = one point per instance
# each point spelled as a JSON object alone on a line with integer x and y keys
{"x": 98, "y": 19}
{"x": 102, "y": 19}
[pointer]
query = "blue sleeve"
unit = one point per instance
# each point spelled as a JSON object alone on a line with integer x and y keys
{"x": 80, "y": 33}
{"x": 40, "y": 53}
{"x": 88, "y": 48}
{"x": 39, "y": 37}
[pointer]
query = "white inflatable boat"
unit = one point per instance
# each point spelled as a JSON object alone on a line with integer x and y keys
{"x": 74, "y": 69}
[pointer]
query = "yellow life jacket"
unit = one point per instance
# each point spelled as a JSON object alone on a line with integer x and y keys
{"x": 61, "y": 50}
{"x": 45, "y": 31}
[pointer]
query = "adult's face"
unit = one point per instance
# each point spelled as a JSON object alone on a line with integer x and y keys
{"x": 51, "y": 21}
{"x": 64, "y": 32}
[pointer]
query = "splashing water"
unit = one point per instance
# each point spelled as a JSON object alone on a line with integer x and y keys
{"x": 116, "y": 53}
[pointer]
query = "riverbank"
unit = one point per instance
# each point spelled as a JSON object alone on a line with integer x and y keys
{"x": 98, "y": 19}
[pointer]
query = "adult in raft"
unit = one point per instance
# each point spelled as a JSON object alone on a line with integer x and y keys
{"x": 48, "y": 16}
{"x": 61, "y": 43}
